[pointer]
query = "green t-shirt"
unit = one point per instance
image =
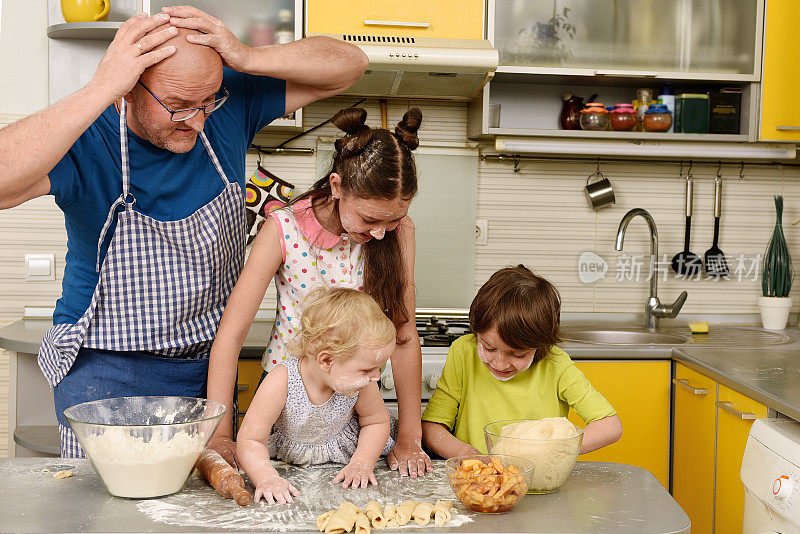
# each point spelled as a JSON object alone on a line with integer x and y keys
{"x": 468, "y": 397}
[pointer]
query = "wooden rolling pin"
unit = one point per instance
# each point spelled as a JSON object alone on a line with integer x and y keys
{"x": 223, "y": 478}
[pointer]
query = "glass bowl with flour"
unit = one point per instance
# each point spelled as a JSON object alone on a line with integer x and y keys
{"x": 144, "y": 447}
{"x": 552, "y": 444}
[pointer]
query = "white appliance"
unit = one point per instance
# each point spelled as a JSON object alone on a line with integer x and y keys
{"x": 437, "y": 329}
{"x": 771, "y": 477}
{"x": 423, "y": 67}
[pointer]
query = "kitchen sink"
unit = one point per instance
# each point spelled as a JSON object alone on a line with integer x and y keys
{"x": 623, "y": 336}
{"x": 720, "y": 335}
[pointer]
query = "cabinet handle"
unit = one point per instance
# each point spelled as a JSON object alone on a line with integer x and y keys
{"x": 368, "y": 22}
{"x": 728, "y": 407}
{"x": 626, "y": 73}
{"x": 682, "y": 382}
{"x": 787, "y": 127}
{"x": 242, "y": 387}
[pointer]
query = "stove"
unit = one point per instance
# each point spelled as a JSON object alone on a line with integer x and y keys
{"x": 436, "y": 334}
{"x": 441, "y": 332}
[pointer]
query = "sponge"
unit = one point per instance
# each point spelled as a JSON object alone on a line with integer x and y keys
{"x": 698, "y": 327}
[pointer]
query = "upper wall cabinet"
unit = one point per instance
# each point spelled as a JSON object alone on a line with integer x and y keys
{"x": 780, "y": 119}
{"x": 707, "y": 53}
{"x": 712, "y": 39}
{"x": 441, "y": 18}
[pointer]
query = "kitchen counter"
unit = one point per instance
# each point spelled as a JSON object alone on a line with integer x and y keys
{"x": 25, "y": 336}
{"x": 597, "y": 498}
{"x": 770, "y": 375}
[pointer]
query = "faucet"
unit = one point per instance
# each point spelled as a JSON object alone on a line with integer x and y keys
{"x": 653, "y": 309}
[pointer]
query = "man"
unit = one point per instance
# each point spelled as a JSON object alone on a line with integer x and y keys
{"x": 150, "y": 183}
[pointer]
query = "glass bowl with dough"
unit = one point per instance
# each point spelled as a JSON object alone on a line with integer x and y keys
{"x": 489, "y": 483}
{"x": 144, "y": 447}
{"x": 552, "y": 444}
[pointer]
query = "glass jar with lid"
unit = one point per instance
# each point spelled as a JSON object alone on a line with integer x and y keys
{"x": 623, "y": 117}
{"x": 657, "y": 118}
{"x": 594, "y": 117}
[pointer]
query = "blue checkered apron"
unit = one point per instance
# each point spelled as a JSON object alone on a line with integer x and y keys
{"x": 162, "y": 287}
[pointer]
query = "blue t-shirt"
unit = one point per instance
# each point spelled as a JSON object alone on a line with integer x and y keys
{"x": 167, "y": 186}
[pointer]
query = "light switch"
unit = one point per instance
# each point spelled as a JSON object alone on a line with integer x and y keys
{"x": 40, "y": 267}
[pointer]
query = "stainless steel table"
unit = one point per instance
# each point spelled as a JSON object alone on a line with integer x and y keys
{"x": 597, "y": 498}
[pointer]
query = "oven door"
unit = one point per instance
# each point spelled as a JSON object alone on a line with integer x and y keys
{"x": 392, "y": 406}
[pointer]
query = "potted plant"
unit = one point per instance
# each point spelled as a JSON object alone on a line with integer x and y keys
{"x": 777, "y": 276}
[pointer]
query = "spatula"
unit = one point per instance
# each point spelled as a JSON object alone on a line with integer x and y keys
{"x": 716, "y": 264}
{"x": 687, "y": 263}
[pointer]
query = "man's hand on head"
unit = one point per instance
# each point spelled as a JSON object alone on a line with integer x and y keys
{"x": 214, "y": 34}
{"x": 133, "y": 49}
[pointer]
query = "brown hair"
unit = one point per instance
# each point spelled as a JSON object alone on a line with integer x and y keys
{"x": 340, "y": 320}
{"x": 525, "y": 309}
{"x": 376, "y": 164}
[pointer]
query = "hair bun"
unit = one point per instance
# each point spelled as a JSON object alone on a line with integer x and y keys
{"x": 407, "y": 128}
{"x": 352, "y": 121}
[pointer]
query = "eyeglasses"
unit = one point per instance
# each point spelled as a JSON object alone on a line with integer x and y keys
{"x": 180, "y": 115}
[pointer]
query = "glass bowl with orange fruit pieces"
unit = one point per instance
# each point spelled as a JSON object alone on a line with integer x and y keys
{"x": 489, "y": 483}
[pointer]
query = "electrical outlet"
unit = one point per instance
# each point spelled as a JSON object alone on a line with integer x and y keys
{"x": 481, "y": 232}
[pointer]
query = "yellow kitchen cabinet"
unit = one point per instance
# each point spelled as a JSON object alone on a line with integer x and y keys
{"x": 441, "y": 18}
{"x": 780, "y": 117}
{"x": 693, "y": 438}
{"x": 247, "y": 382}
{"x": 639, "y": 391}
{"x": 735, "y": 414}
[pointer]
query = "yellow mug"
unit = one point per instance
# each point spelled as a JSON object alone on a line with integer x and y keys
{"x": 85, "y": 10}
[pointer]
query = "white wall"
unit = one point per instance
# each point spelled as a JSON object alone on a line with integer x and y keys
{"x": 23, "y": 56}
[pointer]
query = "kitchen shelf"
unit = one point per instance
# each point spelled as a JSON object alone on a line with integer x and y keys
{"x": 93, "y": 31}
{"x": 644, "y": 136}
{"x": 615, "y": 77}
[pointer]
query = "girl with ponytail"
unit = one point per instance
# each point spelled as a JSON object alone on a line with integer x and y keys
{"x": 351, "y": 229}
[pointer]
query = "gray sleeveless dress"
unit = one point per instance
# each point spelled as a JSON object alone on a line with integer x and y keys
{"x": 309, "y": 435}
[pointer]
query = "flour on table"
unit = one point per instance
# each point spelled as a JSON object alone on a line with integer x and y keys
{"x": 137, "y": 468}
{"x": 198, "y": 505}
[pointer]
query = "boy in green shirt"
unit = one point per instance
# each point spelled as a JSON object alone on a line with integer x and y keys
{"x": 510, "y": 368}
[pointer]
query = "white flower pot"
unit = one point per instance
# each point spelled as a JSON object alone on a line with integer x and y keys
{"x": 775, "y": 311}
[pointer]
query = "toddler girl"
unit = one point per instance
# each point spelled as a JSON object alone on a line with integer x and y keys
{"x": 510, "y": 368}
{"x": 323, "y": 405}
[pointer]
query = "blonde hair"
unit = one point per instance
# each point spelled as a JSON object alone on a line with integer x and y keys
{"x": 340, "y": 320}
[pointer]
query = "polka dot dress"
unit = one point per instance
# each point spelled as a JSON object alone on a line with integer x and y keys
{"x": 306, "y": 434}
{"x": 312, "y": 256}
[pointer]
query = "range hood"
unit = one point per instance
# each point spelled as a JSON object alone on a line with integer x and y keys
{"x": 423, "y": 67}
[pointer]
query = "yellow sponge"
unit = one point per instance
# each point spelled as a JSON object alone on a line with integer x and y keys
{"x": 698, "y": 327}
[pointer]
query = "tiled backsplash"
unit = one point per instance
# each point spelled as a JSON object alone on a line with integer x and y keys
{"x": 538, "y": 216}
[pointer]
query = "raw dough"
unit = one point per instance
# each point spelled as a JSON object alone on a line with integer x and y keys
{"x": 375, "y": 515}
{"x": 362, "y": 524}
{"x": 63, "y": 474}
{"x": 404, "y": 511}
{"x": 553, "y": 460}
{"x": 442, "y": 513}
{"x": 390, "y": 514}
{"x": 322, "y": 521}
{"x": 343, "y": 519}
{"x": 349, "y": 516}
{"x": 422, "y": 513}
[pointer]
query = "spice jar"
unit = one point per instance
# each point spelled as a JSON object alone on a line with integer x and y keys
{"x": 594, "y": 117}
{"x": 657, "y": 118}
{"x": 623, "y": 117}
